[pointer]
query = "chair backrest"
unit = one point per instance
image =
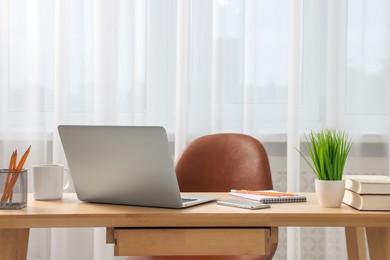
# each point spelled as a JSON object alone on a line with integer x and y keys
{"x": 221, "y": 162}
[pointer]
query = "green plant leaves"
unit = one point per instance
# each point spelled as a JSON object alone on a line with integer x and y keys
{"x": 328, "y": 150}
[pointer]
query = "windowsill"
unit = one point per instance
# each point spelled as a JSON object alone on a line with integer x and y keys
{"x": 282, "y": 137}
{"x": 366, "y": 145}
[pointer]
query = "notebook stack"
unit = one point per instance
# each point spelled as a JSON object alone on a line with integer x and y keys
{"x": 367, "y": 192}
{"x": 268, "y": 196}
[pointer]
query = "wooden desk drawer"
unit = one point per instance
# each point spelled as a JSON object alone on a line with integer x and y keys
{"x": 191, "y": 241}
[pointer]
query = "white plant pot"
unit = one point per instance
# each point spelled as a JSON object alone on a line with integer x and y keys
{"x": 330, "y": 193}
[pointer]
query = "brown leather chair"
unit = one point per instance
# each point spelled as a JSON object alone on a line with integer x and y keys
{"x": 218, "y": 163}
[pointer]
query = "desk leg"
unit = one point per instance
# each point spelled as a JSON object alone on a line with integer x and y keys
{"x": 14, "y": 243}
{"x": 378, "y": 239}
{"x": 356, "y": 243}
{"x": 110, "y": 233}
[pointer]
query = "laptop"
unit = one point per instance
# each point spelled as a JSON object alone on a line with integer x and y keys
{"x": 129, "y": 165}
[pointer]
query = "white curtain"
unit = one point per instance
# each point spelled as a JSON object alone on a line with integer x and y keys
{"x": 273, "y": 69}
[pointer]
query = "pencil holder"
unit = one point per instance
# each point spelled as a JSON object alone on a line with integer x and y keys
{"x": 13, "y": 188}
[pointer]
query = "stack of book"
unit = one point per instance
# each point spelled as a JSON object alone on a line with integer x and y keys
{"x": 367, "y": 192}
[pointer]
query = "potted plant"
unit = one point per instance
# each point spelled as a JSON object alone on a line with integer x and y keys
{"x": 328, "y": 150}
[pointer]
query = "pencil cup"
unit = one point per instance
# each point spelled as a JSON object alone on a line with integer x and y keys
{"x": 49, "y": 181}
{"x": 13, "y": 188}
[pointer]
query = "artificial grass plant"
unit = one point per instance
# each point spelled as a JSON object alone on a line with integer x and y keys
{"x": 328, "y": 150}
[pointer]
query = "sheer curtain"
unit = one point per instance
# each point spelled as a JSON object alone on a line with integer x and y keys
{"x": 273, "y": 69}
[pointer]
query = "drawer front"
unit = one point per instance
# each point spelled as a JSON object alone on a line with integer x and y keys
{"x": 191, "y": 241}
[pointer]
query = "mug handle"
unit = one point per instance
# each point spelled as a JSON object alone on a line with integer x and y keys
{"x": 67, "y": 182}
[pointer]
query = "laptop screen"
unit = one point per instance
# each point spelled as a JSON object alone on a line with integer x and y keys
{"x": 121, "y": 164}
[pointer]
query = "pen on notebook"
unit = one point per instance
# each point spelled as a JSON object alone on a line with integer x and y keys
{"x": 264, "y": 193}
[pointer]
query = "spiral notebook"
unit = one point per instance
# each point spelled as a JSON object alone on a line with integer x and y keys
{"x": 269, "y": 199}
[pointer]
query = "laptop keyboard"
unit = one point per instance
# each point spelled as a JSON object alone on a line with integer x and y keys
{"x": 187, "y": 199}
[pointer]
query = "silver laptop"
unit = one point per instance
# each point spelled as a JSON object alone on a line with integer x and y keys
{"x": 129, "y": 165}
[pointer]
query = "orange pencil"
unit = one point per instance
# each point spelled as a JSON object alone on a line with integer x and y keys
{"x": 11, "y": 169}
{"x": 23, "y": 159}
{"x": 264, "y": 193}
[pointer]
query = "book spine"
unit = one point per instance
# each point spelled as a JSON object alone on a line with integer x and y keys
{"x": 352, "y": 185}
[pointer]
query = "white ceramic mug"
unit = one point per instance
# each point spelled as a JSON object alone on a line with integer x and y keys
{"x": 49, "y": 181}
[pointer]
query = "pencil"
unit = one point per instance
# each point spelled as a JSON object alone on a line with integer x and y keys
{"x": 7, "y": 181}
{"x": 10, "y": 167}
{"x": 264, "y": 193}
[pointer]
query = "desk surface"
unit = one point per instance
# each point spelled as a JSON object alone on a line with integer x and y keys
{"x": 70, "y": 212}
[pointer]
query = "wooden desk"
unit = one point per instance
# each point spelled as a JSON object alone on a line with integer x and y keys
{"x": 210, "y": 219}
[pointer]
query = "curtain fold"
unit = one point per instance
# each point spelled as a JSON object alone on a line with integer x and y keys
{"x": 249, "y": 63}
{"x": 182, "y": 69}
{"x": 105, "y": 34}
{"x": 336, "y": 63}
{"x": 273, "y": 69}
{"x": 293, "y": 117}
